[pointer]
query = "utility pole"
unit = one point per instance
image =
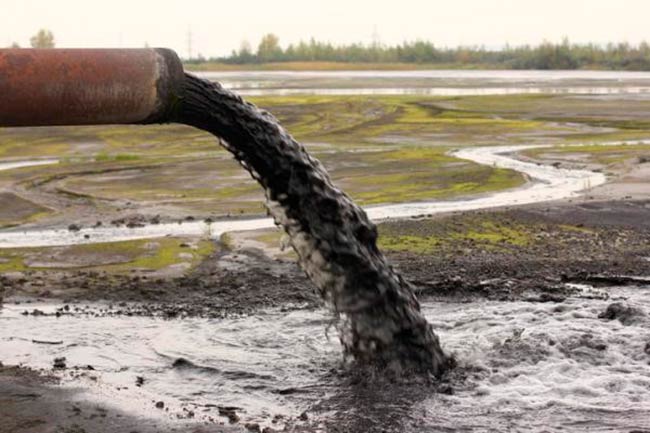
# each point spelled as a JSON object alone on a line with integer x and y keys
{"x": 376, "y": 40}
{"x": 189, "y": 43}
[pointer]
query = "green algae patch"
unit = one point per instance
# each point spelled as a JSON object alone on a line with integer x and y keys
{"x": 114, "y": 257}
{"x": 410, "y": 243}
{"x": 448, "y": 234}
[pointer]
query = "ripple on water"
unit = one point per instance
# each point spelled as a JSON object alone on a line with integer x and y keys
{"x": 526, "y": 366}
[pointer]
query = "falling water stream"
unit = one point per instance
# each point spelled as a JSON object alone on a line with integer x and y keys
{"x": 336, "y": 243}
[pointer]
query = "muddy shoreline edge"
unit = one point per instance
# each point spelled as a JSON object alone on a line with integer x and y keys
{"x": 612, "y": 247}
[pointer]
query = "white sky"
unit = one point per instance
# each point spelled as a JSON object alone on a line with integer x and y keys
{"x": 218, "y": 26}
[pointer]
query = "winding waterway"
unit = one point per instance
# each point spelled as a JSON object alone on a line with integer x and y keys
{"x": 545, "y": 183}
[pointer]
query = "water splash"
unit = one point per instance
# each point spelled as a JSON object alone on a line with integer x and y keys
{"x": 335, "y": 240}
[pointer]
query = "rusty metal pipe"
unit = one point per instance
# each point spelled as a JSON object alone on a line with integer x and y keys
{"x": 41, "y": 87}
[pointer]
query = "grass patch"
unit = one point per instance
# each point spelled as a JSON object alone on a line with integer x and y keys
{"x": 430, "y": 236}
{"x": 104, "y": 157}
{"x": 410, "y": 243}
{"x": 491, "y": 233}
{"x": 114, "y": 257}
{"x": 11, "y": 261}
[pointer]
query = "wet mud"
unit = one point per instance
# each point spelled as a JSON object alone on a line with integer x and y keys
{"x": 469, "y": 291}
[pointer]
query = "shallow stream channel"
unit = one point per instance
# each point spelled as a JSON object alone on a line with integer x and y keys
{"x": 545, "y": 183}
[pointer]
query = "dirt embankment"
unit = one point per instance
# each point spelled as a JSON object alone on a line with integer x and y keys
{"x": 530, "y": 252}
{"x": 498, "y": 254}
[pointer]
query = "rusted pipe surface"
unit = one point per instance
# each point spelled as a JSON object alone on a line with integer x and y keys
{"x": 87, "y": 86}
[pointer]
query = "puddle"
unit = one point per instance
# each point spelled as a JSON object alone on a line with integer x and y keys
{"x": 529, "y": 366}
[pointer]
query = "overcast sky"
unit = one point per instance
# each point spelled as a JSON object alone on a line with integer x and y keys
{"x": 218, "y": 26}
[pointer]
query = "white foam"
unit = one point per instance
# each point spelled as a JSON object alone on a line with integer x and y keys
{"x": 541, "y": 365}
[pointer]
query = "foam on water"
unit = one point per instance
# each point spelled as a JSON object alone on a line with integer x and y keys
{"x": 530, "y": 366}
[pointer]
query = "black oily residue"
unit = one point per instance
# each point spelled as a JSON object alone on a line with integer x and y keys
{"x": 336, "y": 243}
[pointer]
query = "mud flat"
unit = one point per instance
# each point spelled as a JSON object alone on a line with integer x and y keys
{"x": 546, "y": 183}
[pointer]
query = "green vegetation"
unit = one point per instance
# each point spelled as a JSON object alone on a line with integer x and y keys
{"x": 429, "y": 236}
{"x": 507, "y": 232}
{"x": 115, "y": 257}
{"x": 11, "y": 261}
{"x": 379, "y": 149}
{"x": 43, "y": 39}
{"x": 431, "y": 174}
{"x": 104, "y": 157}
{"x": 547, "y": 55}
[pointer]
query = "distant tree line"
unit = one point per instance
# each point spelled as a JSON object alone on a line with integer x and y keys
{"x": 547, "y": 55}
{"x": 44, "y": 38}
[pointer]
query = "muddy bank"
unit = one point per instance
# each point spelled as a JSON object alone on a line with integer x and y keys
{"x": 513, "y": 255}
{"x": 32, "y": 402}
{"x": 501, "y": 254}
{"x": 526, "y": 252}
{"x": 225, "y": 283}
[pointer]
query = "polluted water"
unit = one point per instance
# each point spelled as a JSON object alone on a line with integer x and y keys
{"x": 530, "y": 366}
